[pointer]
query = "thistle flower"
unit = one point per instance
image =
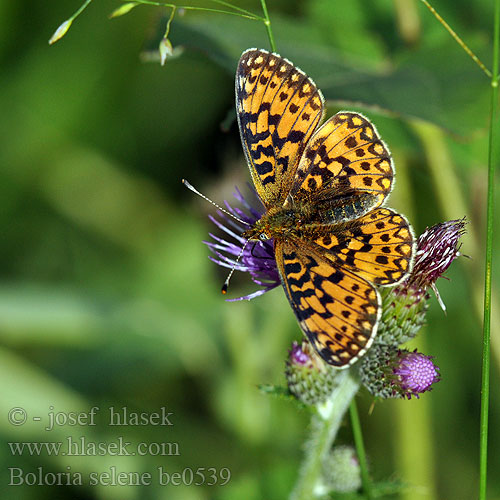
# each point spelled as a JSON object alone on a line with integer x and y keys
{"x": 404, "y": 306}
{"x": 256, "y": 258}
{"x": 437, "y": 248}
{"x": 388, "y": 372}
{"x": 415, "y": 373}
{"x": 309, "y": 378}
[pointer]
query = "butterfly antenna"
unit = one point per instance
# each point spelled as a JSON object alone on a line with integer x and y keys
{"x": 194, "y": 190}
{"x": 226, "y": 283}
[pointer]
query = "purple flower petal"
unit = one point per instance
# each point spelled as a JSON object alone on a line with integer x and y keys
{"x": 415, "y": 373}
{"x": 437, "y": 248}
{"x": 254, "y": 257}
{"x": 297, "y": 355}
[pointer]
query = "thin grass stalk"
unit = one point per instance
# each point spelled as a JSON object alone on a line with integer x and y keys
{"x": 457, "y": 39}
{"x": 201, "y": 9}
{"x": 493, "y": 161}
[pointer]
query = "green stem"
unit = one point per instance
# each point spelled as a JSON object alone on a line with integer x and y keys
{"x": 493, "y": 161}
{"x": 169, "y": 22}
{"x": 80, "y": 10}
{"x": 231, "y": 6}
{"x": 267, "y": 23}
{"x": 360, "y": 449}
{"x": 203, "y": 9}
{"x": 457, "y": 39}
{"x": 324, "y": 427}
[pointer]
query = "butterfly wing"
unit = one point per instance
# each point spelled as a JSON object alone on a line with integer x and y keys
{"x": 278, "y": 108}
{"x": 336, "y": 309}
{"x": 345, "y": 164}
{"x": 378, "y": 246}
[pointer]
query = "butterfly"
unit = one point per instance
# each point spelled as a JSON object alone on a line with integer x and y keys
{"x": 323, "y": 187}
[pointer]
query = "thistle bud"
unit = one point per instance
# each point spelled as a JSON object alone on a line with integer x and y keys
{"x": 341, "y": 471}
{"x": 309, "y": 378}
{"x": 403, "y": 314}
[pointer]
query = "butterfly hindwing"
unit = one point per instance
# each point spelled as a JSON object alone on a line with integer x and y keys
{"x": 278, "y": 109}
{"x": 378, "y": 246}
{"x": 337, "y": 310}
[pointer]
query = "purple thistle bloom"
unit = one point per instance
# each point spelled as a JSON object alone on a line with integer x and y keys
{"x": 437, "y": 248}
{"x": 257, "y": 257}
{"x": 308, "y": 377}
{"x": 389, "y": 372}
{"x": 415, "y": 373}
{"x": 297, "y": 355}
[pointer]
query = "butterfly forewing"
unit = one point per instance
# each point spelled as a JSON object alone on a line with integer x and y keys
{"x": 337, "y": 310}
{"x": 278, "y": 109}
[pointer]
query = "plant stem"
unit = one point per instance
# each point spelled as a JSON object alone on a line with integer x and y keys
{"x": 324, "y": 427}
{"x": 457, "y": 39}
{"x": 493, "y": 161}
{"x": 202, "y": 9}
{"x": 80, "y": 10}
{"x": 360, "y": 449}
{"x": 267, "y": 23}
{"x": 231, "y": 6}
{"x": 169, "y": 22}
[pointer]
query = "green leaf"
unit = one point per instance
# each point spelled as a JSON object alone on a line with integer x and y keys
{"x": 281, "y": 392}
{"x": 435, "y": 83}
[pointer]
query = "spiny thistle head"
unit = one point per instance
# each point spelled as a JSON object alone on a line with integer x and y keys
{"x": 309, "y": 378}
{"x": 404, "y": 306}
{"x": 388, "y": 372}
{"x": 437, "y": 248}
{"x": 403, "y": 314}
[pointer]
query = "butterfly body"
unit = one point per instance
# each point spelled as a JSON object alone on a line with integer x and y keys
{"x": 323, "y": 188}
{"x": 304, "y": 222}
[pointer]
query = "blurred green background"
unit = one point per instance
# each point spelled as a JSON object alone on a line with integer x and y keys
{"x": 107, "y": 297}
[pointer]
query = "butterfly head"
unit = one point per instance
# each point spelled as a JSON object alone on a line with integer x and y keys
{"x": 260, "y": 231}
{"x": 276, "y": 223}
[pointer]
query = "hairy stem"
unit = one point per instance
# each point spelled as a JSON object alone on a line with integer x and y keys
{"x": 324, "y": 427}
